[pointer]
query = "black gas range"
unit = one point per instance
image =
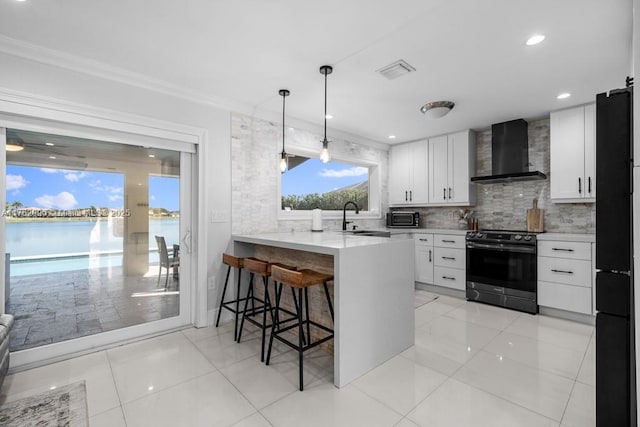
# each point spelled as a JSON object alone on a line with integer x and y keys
{"x": 502, "y": 268}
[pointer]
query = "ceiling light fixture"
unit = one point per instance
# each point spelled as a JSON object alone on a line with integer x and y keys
{"x": 392, "y": 137}
{"x": 50, "y": 144}
{"x": 437, "y": 109}
{"x": 283, "y": 156}
{"x": 15, "y": 144}
{"x": 563, "y": 95}
{"x": 324, "y": 154}
{"x": 533, "y": 40}
{"x": 328, "y": 116}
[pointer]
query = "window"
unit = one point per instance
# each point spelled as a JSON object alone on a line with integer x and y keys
{"x": 308, "y": 184}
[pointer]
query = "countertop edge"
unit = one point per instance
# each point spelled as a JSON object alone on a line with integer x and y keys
{"x": 567, "y": 237}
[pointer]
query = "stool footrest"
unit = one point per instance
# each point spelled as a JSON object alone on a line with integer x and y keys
{"x": 304, "y": 347}
{"x": 230, "y": 303}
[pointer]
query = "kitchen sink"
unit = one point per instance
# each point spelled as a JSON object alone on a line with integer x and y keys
{"x": 376, "y": 233}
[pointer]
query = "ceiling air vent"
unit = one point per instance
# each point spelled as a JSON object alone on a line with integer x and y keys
{"x": 396, "y": 69}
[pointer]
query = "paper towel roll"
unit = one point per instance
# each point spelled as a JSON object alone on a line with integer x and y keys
{"x": 316, "y": 220}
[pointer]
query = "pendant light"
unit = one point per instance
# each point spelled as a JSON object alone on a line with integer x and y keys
{"x": 283, "y": 156}
{"x": 324, "y": 154}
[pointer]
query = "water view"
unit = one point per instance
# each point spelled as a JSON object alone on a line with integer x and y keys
{"x": 53, "y": 246}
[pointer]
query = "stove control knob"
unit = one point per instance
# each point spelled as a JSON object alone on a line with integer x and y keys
{"x": 479, "y": 235}
{"x": 517, "y": 237}
{"x": 527, "y": 238}
{"x": 471, "y": 234}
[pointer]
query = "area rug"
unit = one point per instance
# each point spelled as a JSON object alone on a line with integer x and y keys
{"x": 424, "y": 297}
{"x": 63, "y": 406}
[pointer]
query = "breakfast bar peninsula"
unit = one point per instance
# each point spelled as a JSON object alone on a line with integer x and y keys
{"x": 373, "y": 290}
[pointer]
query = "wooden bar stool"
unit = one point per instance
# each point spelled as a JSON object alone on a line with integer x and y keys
{"x": 231, "y": 305}
{"x": 263, "y": 269}
{"x": 301, "y": 279}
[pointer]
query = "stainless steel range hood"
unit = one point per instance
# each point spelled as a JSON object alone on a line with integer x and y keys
{"x": 509, "y": 155}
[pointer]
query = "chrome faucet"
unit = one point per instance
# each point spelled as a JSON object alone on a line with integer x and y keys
{"x": 344, "y": 214}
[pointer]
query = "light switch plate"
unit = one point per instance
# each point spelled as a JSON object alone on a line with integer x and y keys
{"x": 219, "y": 216}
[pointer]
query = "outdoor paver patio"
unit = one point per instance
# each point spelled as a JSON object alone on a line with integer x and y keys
{"x": 56, "y": 307}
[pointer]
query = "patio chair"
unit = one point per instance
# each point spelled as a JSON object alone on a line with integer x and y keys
{"x": 165, "y": 261}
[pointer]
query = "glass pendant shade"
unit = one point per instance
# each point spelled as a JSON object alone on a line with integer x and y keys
{"x": 324, "y": 154}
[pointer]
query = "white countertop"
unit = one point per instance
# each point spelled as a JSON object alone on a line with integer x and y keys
{"x": 327, "y": 242}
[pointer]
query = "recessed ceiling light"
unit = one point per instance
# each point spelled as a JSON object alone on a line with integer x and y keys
{"x": 52, "y": 157}
{"x": 152, "y": 155}
{"x": 563, "y": 95}
{"x": 535, "y": 39}
{"x": 392, "y": 137}
{"x": 329, "y": 117}
{"x": 50, "y": 144}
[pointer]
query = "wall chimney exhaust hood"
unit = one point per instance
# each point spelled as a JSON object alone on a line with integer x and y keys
{"x": 509, "y": 155}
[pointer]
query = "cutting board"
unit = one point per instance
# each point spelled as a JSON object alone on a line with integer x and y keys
{"x": 535, "y": 218}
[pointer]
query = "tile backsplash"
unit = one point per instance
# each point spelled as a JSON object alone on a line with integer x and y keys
{"x": 504, "y": 206}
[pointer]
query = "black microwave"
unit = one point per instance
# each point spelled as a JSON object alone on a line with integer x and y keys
{"x": 403, "y": 219}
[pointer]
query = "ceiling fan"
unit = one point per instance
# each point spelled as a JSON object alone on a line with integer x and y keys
{"x": 15, "y": 144}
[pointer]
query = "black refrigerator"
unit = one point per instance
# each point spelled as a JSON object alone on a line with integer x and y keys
{"x": 615, "y": 343}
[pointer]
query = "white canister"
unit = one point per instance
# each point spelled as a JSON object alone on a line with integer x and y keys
{"x": 316, "y": 220}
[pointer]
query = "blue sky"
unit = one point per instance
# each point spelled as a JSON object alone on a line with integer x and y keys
{"x": 313, "y": 176}
{"x": 69, "y": 189}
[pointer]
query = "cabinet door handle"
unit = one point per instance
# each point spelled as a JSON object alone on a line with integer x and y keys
{"x": 449, "y": 192}
{"x": 423, "y": 240}
{"x": 448, "y": 241}
{"x": 562, "y": 271}
{"x": 444, "y": 194}
{"x": 406, "y": 196}
{"x": 579, "y": 185}
{"x": 449, "y": 258}
{"x": 562, "y": 249}
{"x": 448, "y": 278}
{"x": 411, "y": 195}
{"x": 429, "y": 255}
{"x": 589, "y": 181}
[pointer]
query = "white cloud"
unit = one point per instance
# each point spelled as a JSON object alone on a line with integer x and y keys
{"x": 63, "y": 200}
{"x": 15, "y": 182}
{"x": 49, "y": 170}
{"x": 74, "y": 176}
{"x": 112, "y": 193}
{"x": 354, "y": 171}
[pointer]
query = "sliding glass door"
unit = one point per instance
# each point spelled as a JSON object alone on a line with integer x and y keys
{"x": 97, "y": 239}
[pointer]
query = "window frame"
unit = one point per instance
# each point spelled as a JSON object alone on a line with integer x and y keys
{"x": 375, "y": 189}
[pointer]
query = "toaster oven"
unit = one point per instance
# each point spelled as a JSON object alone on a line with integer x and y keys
{"x": 403, "y": 219}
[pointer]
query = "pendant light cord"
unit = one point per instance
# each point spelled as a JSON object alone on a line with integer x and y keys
{"x": 325, "y": 105}
{"x": 283, "y": 98}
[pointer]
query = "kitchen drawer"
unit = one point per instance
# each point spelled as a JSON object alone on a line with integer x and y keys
{"x": 450, "y": 277}
{"x": 575, "y": 272}
{"x": 571, "y": 250}
{"x": 565, "y": 297}
{"x": 423, "y": 239}
{"x": 449, "y": 241}
{"x": 454, "y": 258}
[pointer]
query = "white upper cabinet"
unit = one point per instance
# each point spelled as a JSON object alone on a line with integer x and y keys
{"x": 573, "y": 155}
{"x": 408, "y": 174}
{"x": 452, "y": 160}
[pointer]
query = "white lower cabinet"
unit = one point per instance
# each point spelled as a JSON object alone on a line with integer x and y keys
{"x": 450, "y": 261}
{"x": 424, "y": 258}
{"x": 441, "y": 260}
{"x": 565, "y": 276}
{"x": 453, "y": 278}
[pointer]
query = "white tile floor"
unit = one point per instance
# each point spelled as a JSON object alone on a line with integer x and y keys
{"x": 472, "y": 365}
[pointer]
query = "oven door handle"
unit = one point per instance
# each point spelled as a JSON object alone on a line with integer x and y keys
{"x": 501, "y": 247}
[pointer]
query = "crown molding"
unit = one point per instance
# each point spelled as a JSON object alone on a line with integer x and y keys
{"x": 56, "y": 58}
{"x": 102, "y": 70}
